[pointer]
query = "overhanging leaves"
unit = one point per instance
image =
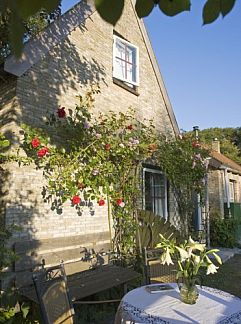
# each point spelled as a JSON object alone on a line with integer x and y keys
{"x": 144, "y": 7}
{"x": 19, "y": 12}
{"x": 226, "y": 6}
{"x": 16, "y": 34}
{"x": 110, "y": 12}
{"x": 211, "y": 11}
{"x": 174, "y": 7}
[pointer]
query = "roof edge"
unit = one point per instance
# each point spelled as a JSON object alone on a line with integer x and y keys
{"x": 158, "y": 75}
{"x": 38, "y": 47}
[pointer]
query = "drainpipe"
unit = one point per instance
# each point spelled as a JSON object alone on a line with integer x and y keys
{"x": 226, "y": 183}
{"x": 207, "y": 205}
{"x": 198, "y": 212}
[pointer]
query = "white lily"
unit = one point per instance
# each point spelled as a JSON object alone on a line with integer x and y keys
{"x": 196, "y": 259}
{"x": 166, "y": 257}
{"x": 211, "y": 268}
{"x": 195, "y": 245}
{"x": 183, "y": 253}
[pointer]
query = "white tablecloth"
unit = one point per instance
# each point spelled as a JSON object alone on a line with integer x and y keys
{"x": 213, "y": 306}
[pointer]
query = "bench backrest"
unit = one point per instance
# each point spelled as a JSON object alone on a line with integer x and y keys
{"x": 78, "y": 253}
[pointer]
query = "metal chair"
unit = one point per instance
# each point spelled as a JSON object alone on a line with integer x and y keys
{"x": 53, "y": 295}
{"x": 154, "y": 271}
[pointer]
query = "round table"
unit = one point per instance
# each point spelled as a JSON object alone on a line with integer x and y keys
{"x": 212, "y": 306}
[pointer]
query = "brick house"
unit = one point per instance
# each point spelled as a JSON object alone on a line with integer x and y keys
{"x": 78, "y": 49}
{"x": 224, "y": 184}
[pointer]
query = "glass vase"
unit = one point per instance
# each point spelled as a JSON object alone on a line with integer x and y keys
{"x": 189, "y": 292}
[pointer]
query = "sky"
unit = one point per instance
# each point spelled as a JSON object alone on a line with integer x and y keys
{"x": 200, "y": 65}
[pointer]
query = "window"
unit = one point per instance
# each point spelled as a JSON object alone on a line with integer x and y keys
{"x": 231, "y": 191}
{"x": 155, "y": 192}
{"x": 125, "y": 61}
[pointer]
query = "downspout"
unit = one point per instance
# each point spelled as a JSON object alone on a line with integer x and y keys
{"x": 226, "y": 183}
{"x": 207, "y": 205}
{"x": 198, "y": 210}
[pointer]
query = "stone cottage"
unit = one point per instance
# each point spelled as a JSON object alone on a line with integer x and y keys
{"x": 224, "y": 184}
{"x": 77, "y": 49}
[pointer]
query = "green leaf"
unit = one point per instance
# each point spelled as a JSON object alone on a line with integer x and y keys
{"x": 27, "y": 8}
{"x": 25, "y": 310}
{"x": 110, "y": 13}
{"x": 226, "y": 6}
{"x": 144, "y": 7}
{"x": 16, "y": 35}
{"x": 174, "y": 7}
{"x": 211, "y": 11}
{"x": 217, "y": 257}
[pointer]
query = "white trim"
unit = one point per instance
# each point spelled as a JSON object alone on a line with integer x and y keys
{"x": 117, "y": 76}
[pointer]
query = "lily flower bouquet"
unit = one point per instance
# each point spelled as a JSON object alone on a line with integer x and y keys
{"x": 191, "y": 256}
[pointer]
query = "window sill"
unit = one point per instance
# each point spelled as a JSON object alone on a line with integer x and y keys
{"x": 126, "y": 87}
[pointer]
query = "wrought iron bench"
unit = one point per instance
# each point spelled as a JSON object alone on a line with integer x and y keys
{"x": 88, "y": 268}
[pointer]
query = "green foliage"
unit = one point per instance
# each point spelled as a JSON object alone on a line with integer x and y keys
{"x": 230, "y": 140}
{"x": 111, "y": 12}
{"x": 10, "y": 310}
{"x": 16, "y": 27}
{"x": 92, "y": 158}
{"x": 214, "y": 8}
{"x": 174, "y": 7}
{"x": 184, "y": 162}
{"x": 98, "y": 158}
{"x": 144, "y": 7}
{"x": 223, "y": 231}
{"x": 4, "y": 143}
{"x": 191, "y": 256}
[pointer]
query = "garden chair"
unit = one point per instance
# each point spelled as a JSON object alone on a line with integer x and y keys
{"x": 154, "y": 271}
{"x": 150, "y": 226}
{"x": 53, "y": 295}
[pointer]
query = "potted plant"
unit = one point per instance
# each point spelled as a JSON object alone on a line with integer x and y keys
{"x": 191, "y": 256}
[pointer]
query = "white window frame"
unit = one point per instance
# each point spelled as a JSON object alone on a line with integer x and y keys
{"x": 165, "y": 188}
{"x": 115, "y": 74}
{"x": 231, "y": 191}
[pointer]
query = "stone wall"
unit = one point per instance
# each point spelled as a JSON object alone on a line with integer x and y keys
{"x": 217, "y": 191}
{"x": 84, "y": 57}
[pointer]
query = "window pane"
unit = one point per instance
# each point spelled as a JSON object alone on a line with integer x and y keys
{"x": 120, "y": 50}
{"x": 125, "y": 61}
{"x": 148, "y": 194}
{"x": 130, "y": 54}
{"x": 130, "y": 73}
{"x": 155, "y": 193}
{"x": 120, "y": 68}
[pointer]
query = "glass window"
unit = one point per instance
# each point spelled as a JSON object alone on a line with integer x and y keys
{"x": 231, "y": 191}
{"x": 155, "y": 192}
{"x": 125, "y": 61}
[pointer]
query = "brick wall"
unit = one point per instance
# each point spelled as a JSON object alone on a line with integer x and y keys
{"x": 85, "y": 56}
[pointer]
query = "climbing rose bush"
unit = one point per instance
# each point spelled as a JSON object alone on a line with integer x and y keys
{"x": 87, "y": 157}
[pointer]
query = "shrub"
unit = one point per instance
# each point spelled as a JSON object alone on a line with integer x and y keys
{"x": 223, "y": 231}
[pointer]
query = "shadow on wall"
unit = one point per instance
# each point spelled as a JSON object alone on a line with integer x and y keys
{"x": 55, "y": 80}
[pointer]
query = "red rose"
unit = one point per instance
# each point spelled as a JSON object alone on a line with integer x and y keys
{"x": 43, "y": 152}
{"x": 130, "y": 127}
{"x": 107, "y": 147}
{"x": 195, "y": 144}
{"x": 76, "y": 200}
{"x": 61, "y": 112}
{"x": 35, "y": 142}
{"x": 101, "y": 202}
{"x": 119, "y": 201}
